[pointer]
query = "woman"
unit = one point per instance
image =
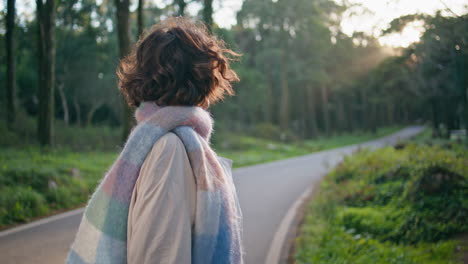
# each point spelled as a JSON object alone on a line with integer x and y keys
{"x": 168, "y": 198}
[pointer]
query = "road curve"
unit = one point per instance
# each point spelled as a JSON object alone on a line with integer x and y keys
{"x": 266, "y": 192}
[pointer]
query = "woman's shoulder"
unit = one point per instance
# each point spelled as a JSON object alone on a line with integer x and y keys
{"x": 167, "y": 152}
{"x": 168, "y": 148}
{"x": 168, "y": 141}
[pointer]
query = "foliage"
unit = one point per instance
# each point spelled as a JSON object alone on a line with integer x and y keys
{"x": 434, "y": 70}
{"x": 296, "y": 50}
{"x": 299, "y": 71}
{"x": 19, "y": 204}
{"x": 34, "y": 183}
{"x": 402, "y": 205}
{"x": 75, "y": 138}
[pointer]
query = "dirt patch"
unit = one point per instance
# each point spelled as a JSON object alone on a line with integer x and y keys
{"x": 462, "y": 249}
{"x": 289, "y": 246}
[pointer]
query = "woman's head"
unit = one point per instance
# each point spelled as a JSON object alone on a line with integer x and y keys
{"x": 177, "y": 62}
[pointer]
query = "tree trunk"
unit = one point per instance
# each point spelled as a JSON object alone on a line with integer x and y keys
{"x": 406, "y": 115}
{"x": 363, "y": 117}
{"x": 378, "y": 115}
{"x": 11, "y": 65}
{"x": 284, "y": 101}
{"x": 390, "y": 111}
{"x": 373, "y": 122}
{"x": 351, "y": 117}
{"x": 123, "y": 29}
{"x": 268, "y": 107}
{"x": 326, "y": 113}
{"x": 450, "y": 117}
{"x": 435, "y": 119}
{"x": 141, "y": 18}
{"x": 46, "y": 24}
{"x": 368, "y": 112}
{"x": 340, "y": 114}
{"x": 208, "y": 14}
{"x": 311, "y": 113}
{"x": 63, "y": 98}
{"x": 77, "y": 107}
{"x": 182, "y": 5}
{"x": 465, "y": 111}
{"x": 92, "y": 111}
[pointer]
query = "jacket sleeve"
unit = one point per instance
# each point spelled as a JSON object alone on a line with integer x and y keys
{"x": 162, "y": 207}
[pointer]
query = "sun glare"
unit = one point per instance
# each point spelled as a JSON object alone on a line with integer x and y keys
{"x": 374, "y": 16}
{"x": 410, "y": 34}
{"x": 369, "y": 16}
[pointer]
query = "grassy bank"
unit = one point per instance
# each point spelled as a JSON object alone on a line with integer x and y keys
{"x": 405, "y": 205}
{"x": 34, "y": 184}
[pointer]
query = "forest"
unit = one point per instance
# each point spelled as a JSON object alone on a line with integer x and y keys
{"x": 305, "y": 86}
{"x": 301, "y": 76}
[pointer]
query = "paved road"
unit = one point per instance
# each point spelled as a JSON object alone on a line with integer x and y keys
{"x": 266, "y": 192}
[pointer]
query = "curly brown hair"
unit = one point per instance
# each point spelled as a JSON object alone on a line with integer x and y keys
{"x": 177, "y": 62}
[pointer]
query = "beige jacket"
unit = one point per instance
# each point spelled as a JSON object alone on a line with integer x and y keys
{"x": 162, "y": 207}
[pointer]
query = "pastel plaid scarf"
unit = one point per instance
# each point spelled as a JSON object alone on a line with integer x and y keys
{"x": 216, "y": 235}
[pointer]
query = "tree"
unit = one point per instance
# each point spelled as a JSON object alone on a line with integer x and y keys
{"x": 208, "y": 14}
{"x": 284, "y": 108}
{"x": 439, "y": 69}
{"x": 298, "y": 70}
{"x": 125, "y": 40}
{"x": 11, "y": 64}
{"x": 181, "y": 5}
{"x": 295, "y": 36}
{"x": 86, "y": 56}
{"x": 46, "y": 26}
{"x": 141, "y": 18}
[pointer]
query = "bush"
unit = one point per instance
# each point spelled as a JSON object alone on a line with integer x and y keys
{"x": 368, "y": 221}
{"x": 37, "y": 178}
{"x": 272, "y": 132}
{"x": 64, "y": 197}
{"x": 73, "y": 137}
{"x": 404, "y": 205}
{"x": 23, "y": 134}
{"x": 19, "y": 204}
{"x": 425, "y": 192}
{"x": 235, "y": 142}
{"x": 34, "y": 183}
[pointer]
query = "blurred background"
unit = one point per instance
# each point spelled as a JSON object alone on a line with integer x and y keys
{"x": 315, "y": 75}
{"x": 309, "y": 68}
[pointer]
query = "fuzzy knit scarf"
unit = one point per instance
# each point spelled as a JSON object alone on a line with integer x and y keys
{"x": 216, "y": 234}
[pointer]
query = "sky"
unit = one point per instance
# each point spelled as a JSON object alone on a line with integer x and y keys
{"x": 371, "y": 16}
{"x": 382, "y": 12}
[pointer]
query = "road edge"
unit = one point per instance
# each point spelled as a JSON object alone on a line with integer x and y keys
{"x": 280, "y": 246}
{"x": 41, "y": 222}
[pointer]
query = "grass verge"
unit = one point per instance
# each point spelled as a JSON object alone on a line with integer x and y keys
{"x": 405, "y": 205}
{"x": 35, "y": 183}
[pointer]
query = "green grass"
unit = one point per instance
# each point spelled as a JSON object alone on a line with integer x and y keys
{"x": 389, "y": 206}
{"x": 73, "y": 138}
{"x": 35, "y": 183}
